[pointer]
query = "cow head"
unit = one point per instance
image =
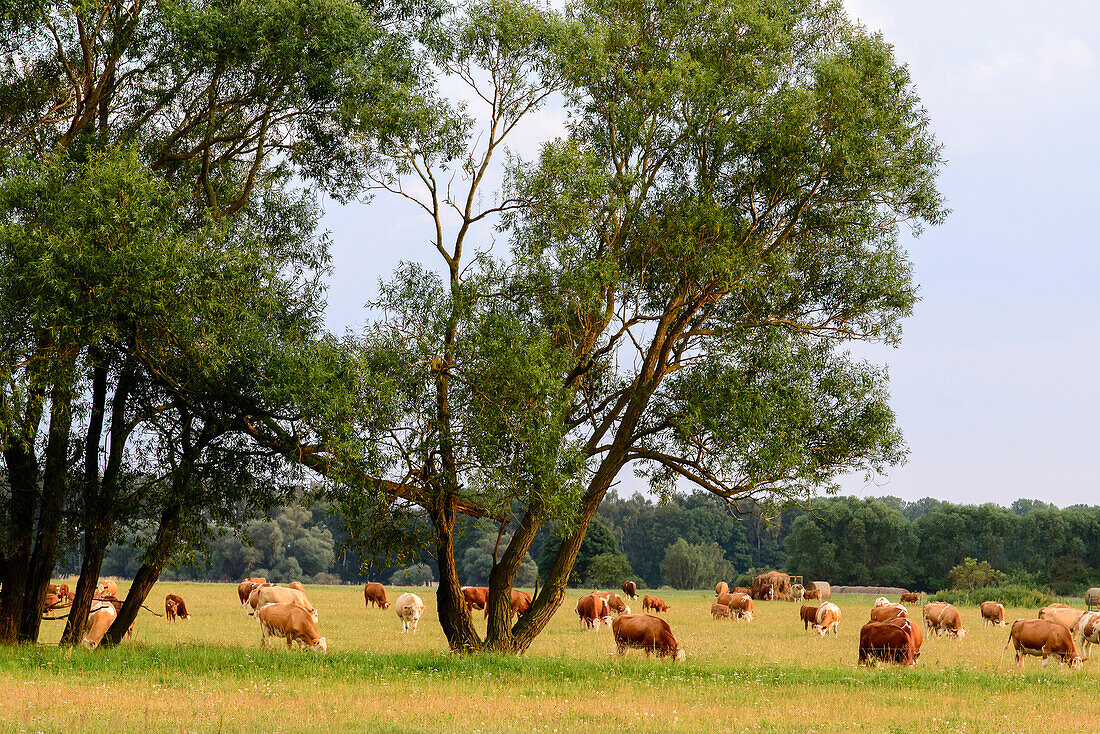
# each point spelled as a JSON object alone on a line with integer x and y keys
{"x": 747, "y": 616}
{"x": 680, "y": 656}
{"x": 881, "y": 601}
{"x": 320, "y": 646}
{"x": 1074, "y": 662}
{"x": 821, "y": 629}
{"x": 959, "y": 633}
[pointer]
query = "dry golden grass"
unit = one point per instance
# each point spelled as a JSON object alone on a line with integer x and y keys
{"x": 209, "y": 674}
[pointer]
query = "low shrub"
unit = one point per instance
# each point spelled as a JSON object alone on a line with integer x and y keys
{"x": 1010, "y": 596}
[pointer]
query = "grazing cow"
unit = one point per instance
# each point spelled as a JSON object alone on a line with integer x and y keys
{"x": 828, "y": 618}
{"x": 808, "y": 614}
{"x": 1089, "y": 629}
{"x": 1044, "y": 638}
{"x": 101, "y": 615}
{"x": 476, "y": 597}
{"x": 721, "y": 588}
{"x": 881, "y": 601}
{"x": 719, "y": 611}
{"x": 726, "y": 599}
{"x": 280, "y": 595}
{"x": 813, "y": 594}
{"x": 107, "y": 588}
{"x": 174, "y": 607}
{"x": 648, "y": 633}
{"x": 296, "y": 585}
{"x": 1066, "y": 616}
{"x": 741, "y": 606}
{"x": 993, "y": 613}
{"x": 891, "y": 641}
{"x": 375, "y": 593}
{"x": 614, "y": 602}
{"x": 593, "y": 611}
{"x": 257, "y": 580}
{"x": 906, "y": 597}
{"x": 941, "y": 617}
{"x": 798, "y": 592}
{"x": 521, "y": 602}
{"x": 653, "y": 603}
{"x": 243, "y": 590}
{"x": 630, "y": 589}
{"x": 887, "y": 612}
{"x": 291, "y": 622}
{"x": 742, "y": 590}
{"x": 409, "y": 608}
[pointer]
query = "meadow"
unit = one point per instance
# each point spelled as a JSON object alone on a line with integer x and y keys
{"x": 210, "y": 674}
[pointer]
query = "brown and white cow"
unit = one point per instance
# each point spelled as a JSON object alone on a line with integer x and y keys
{"x": 653, "y": 603}
{"x": 1089, "y": 630}
{"x": 476, "y": 597}
{"x": 614, "y": 602}
{"x": 719, "y": 611}
{"x": 1064, "y": 615}
{"x": 881, "y": 601}
{"x": 808, "y": 614}
{"x": 245, "y": 589}
{"x": 721, "y": 588}
{"x": 280, "y": 595}
{"x": 296, "y": 585}
{"x": 1042, "y": 637}
{"x": 648, "y": 633}
{"x": 910, "y": 598}
{"x": 101, "y": 615}
{"x": 741, "y": 606}
{"x": 106, "y": 588}
{"x": 887, "y": 612}
{"x": 291, "y": 622}
{"x": 174, "y": 606}
{"x": 521, "y": 602}
{"x": 409, "y": 608}
{"x": 993, "y": 613}
{"x": 828, "y": 619}
{"x": 630, "y": 589}
{"x": 766, "y": 592}
{"x": 593, "y": 612}
{"x": 941, "y": 617}
{"x": 891, "y": 641}
{"x": 375, "y": 593}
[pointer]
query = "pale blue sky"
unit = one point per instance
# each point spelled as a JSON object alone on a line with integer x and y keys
{"x": 993, "y": 382}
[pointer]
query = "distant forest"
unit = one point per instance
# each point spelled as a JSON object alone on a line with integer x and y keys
{"x": 689, "y": 542}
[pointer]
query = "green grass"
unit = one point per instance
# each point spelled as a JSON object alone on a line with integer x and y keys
{"x": 210, "y": 674}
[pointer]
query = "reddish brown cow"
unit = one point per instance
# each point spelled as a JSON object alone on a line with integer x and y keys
{"x": 719, "y": 611}
{"x": 766, "y": 592}
{"x": 476, "y": 597}
{"x": 296, "y": 585}
{"x": 1044, "y": 638}
{"x": 887, "y": 642}
{"x": 993, "y": 613}
{"x": 942, "y": 617}
{"x": 813, "y": 594}
{"x": 174, "y": 607}
{"x": 291, "y": 622}
{"x": 726, "y": 599}
{"x": 721, "y": 588}
{"x": 630, "y": 589}
{"x": 614, "y": 601}
{"x": 808, "y": 614}
{"x": 742, "y": 590}
{"x": 648, "y": 633}
{"x": 375, "y": 593}
{"x": 257, "y": 580}
{"x": 51, "y": 601}
{"x": 593, "y": 612}
{"x": 653, "y": 603}
{"x": 521, "y": 602}
{"x": 63, "y": 592}
{"x": 741, "y": 606}
{"x": 910, "y": 598}
{"x": 887, "y": 612}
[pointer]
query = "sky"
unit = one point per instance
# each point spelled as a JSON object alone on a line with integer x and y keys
{"x": 993, "y": 383}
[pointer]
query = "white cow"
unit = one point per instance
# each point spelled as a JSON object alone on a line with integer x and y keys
{"x": 409, "y": 607}
{"x": 101, "y": 616}
{"x": 881, "y": 601}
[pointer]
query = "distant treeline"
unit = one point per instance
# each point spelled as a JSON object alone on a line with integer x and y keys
{"x": 844, "y": 540}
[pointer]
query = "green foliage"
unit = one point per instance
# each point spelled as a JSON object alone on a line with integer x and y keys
{"x": 598, "y": 541}
{"x": 688, "y": 566}
{"x": 971, "y": 575}
{"x": 608, "y": 571}
{"x": 418, "y": 574}
{"x": 1010, "y": 596}
{"x": 477, "y": 562}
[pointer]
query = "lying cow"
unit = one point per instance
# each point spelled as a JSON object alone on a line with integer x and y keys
{"x": 1089, "y": 630}
{"x": 1064, "y": 615}
{"x": 593, "y": 612}
{"x": 941, "y": 617}
{"x": 375, "y": 593}
{"x": 653, "y": 603}
{"x": 409, "y": 607}
{"x": 993, "y": 613}
{"x": 175, "y": 607}
{"x": 1043, "y": 638}
{"x": 741, "y": 607}
{"x": 648, "y": 633}
{"x": 719, "y": 611}
{"x": 101, "y": 615}
{"x": 887, "y": 612}
{"x": 291, "y": 622}
{"x": 828, "y": 619}
{"x": 888, "y": 642}
{"x": 630, "y": 589}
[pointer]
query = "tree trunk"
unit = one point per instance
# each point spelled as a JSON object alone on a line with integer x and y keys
{"x": 147, "y": 575}
{"x": 23, "y": 479}
{"x": 454, "y": 618}
{"x": 95, "y": 547}
{"x": 498, "y": 634}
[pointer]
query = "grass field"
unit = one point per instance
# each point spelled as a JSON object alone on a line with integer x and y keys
{"x": 209, "y": 674}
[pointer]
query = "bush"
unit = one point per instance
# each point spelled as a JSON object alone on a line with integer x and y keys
{"x": 973, "y": 575}
{"x": 689, "y": 566}
{"x": 609, "y": 570}
{"x": 1010, "y": 596}
{"x": 326, "y": 578}
{"x": 418, "y": 574}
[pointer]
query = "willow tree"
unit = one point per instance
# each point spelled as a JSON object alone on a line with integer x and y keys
{"x": 687, "y": 265}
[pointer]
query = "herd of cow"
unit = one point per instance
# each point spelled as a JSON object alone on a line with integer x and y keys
{"x": 890, "y": 635}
